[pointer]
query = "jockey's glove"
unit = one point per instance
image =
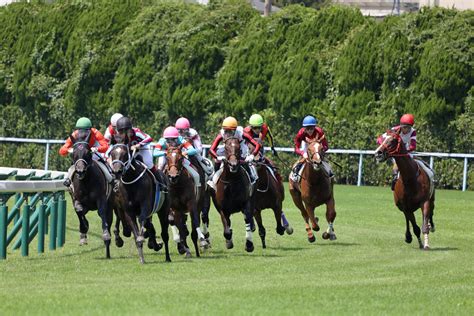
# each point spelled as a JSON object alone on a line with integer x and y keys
{"x": 94, "y": 149}
{"x": 305, "y": 155}
{"x": 220, "y": 158}
{"x": 70, "y": 150}
{"x": 249, "y": 158}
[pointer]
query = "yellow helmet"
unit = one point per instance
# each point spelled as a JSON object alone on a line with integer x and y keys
{"x": 229, "y": 123}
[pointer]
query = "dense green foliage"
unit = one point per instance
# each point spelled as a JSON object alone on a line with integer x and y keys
{"x": 368, "y": 270}
{"x": 156, "y": 60}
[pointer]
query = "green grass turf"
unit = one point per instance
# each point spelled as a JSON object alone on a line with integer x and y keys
{"x": 369, "y": 269}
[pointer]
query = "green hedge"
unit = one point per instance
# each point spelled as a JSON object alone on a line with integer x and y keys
{"x": 156, "y": 60}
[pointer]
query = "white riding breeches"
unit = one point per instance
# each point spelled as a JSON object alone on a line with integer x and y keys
{"x": 192, "y": 171}
{"x": 146, "y": 153}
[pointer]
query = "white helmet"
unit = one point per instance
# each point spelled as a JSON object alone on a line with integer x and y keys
{"x": 115, "y": 118}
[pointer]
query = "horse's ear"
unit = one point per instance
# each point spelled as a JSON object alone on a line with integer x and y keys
{"x": 88, "y": 137}
{"x": 125, "y": 141}
{"x": 73, "y": 140}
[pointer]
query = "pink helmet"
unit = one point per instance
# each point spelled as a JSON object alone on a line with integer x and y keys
{"x": 182, "y": 123}
{"x": 170, "y": 132}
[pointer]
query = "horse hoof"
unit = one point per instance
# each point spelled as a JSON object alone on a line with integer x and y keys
{"x": 158, "y": 246}
{"x": 140, "y": 239}
{"x": 289, "y": 230}
{"x": 432, "y": 229}
{"x": 181, "y": 248}
{"x": 280, "y": 230}
{"x": 229, "y": 244}
{"x": 188, "y": 255}
{"x": 127, "y": 232}
{"x": 82, "y": 242}
{"x": 426, "y": 247}
{"x": 249, "y": 246}
{"x": 325, "y": 235}
{"x": 332, "y": 237}
{"x": 119, "y": 242}
{"x": 408, "y": 239}
{"x": 312, "y": 239}
{"x": 203, "y": 243}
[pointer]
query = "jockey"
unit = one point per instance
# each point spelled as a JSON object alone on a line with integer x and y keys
{"x": 259, "y": 131}
{"x": 230, "y": 128}
{"x": 307, "y": 133}
{"x": 138, "y": 140}
{"x": 171, "y": 138}
{"x": 190, "y": 134}
{"x": 111, "y": 135}
{"x": 408, "y": 136}
{"x": 97, "y": 143}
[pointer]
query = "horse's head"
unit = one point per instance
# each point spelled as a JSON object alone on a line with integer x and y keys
{"x": 81, "y": 152}
{"x": 232, "y": 153}
{"x": 174, "y": 158}
{"x": 315, "y": 153}
{"x": 392, "y": 145}
{"x": 120, "y": 159}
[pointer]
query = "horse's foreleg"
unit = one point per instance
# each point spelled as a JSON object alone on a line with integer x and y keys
{"x": 105, "y": 213}
{"x": 118, "y": 239}
{"x": 416, "y": 228}
{"x": 150, "y": 230}
{"x": 432, "y": 225}
{"x": 261, "y": 228}
{"x": 227, "y": 230}
{"x": 205, "y": 215}
{"x": 83, "y": 227}
{"x": 163, "y": 217}
{"x": 408, "y": 237}
{"x": 313, "y": 219}
{"x": 330, "y": 217}
{"x": 196, "y": 223}
{"x": 280, "y": 229}
{"x": 248, "y": 212}
{"x": 296, "y": 196}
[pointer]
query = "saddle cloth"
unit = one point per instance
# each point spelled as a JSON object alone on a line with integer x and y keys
{"x": 429, "y": 172}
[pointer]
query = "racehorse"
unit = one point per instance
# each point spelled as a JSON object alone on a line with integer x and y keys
{"x": 185, "y": 198}
{"x": 269, "y": 194}
{"x": 140, "y": 196}
{"x": 233, "y": 193}
{"x": 90, "y": 189}
{"x": 413, "y": 189}
{"x": 315, "y": 189}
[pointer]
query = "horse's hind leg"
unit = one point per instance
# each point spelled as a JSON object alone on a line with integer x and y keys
{"x": 226, "y": 223}
{"x": 261, "y": 228}
{"x": 151, "y": 232}
{"x": 296, "y": 196}
{"x": 83, "y": 223}
{"x": 205, "y": 217}
{"x": 280, "y": 229}
{"x": 105, "y": 213}
{"x": 432, "y": 206}
{"x": 330, "y": 217}
{"x": 163, "y": 217}
{"x": 427, "y": 216}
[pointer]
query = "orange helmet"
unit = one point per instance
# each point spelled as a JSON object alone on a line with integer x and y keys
{"x": 407, "y": 119}
{"x": 229, "y": 123}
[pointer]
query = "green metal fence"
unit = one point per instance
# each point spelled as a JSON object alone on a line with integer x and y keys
{"x": 38, "y": 210}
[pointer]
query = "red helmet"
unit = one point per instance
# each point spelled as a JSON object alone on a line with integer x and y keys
{"x": 407, "y": 119}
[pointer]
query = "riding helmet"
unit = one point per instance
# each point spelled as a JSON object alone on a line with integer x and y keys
{"x": 124, "y": 123}
{"x": 309, "y": 121}
{"x": 256, "y": 120}
{"x": 83, "y": 123}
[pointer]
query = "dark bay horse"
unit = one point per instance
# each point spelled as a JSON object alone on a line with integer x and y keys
{"x": 90, "y": 190}
{"x": 138, "y": 191}
{"x": 233, "y": 193}
{"x": 184, "y": 199}
{"x": 269, "y": 193}
{"x": 315, "y": 189}
{"x": 413, "y": 189}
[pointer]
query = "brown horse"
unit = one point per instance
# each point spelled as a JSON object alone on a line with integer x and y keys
{"x": 269, "y": 194}
{"x": 413, "y": 189}
{"x": 316, "y": 188}
{"x": 184, "y": 199}
{"x": 233, "y": 193}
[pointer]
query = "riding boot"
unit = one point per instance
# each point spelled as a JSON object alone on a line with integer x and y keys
{"x": 296, "y": 170}
{"x": 394, "y": 179}
{"x": 163, "y": 187}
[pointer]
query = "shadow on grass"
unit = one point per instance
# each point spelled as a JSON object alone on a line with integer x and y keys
{"x": 444, "y": 249}
{"x": 337, "y": 244}
{"x": 79, "y": 253}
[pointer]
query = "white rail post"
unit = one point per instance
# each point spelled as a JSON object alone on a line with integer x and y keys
{"x": 431, "y": 162}
{"x": 46, "y": 157}
{"x": 359, "y": 172}
{"x": 464, "y": 175}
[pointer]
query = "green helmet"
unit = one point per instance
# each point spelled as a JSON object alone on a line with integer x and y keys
{"x": 256, "y": 120}
{"x": 83, "y": 123}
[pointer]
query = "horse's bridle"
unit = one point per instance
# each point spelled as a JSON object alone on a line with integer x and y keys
{"x": 126, "y": 165}
{"x": 170, "y": 165}
{"x": 231, "y": 155}
{"x": 81, "y": 159}
{"x": 394, "y": 152}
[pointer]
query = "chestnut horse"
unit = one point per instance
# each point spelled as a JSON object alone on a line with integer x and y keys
{"x": 184, "y": 199}
{"x": 314, "y": 189}
{"x": 138, "y": 191}
{"x": 269, "y": 193}
{"x": 233, "y": 193}
{"x": 413, "y": 189}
